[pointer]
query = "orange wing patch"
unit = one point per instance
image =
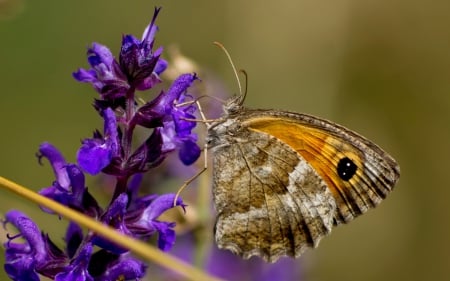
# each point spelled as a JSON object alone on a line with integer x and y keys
{"x": 323, "y": 151}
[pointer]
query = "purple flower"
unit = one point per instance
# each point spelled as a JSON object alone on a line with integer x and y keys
{"x": 105, "y": 75}
{"x": 143, "y": 221}
{"x": 36, "y": 255}
{"x": 125, "y": 268}
{"x": 140, "y": 220}
{"x": 168, "y": 114}
{"x": 105, "y": 266}
{"x": 69, "y": 188}
{"x": 138, "y": 66}
{"x": 176, "y": 131}
{"x": 97, "y": 153}
{"x": 77, "y": 270}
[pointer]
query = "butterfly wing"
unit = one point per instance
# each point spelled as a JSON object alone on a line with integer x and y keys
{"x": 261, "y": 209}
{"x": 281, "y": 180}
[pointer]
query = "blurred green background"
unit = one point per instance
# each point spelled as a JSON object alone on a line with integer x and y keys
{"x": 379, "y": 67}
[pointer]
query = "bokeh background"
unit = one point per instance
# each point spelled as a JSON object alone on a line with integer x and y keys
{"x": 379, "y": 67}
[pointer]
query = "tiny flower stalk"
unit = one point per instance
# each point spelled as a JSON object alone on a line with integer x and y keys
{"x": 103, "y": 253}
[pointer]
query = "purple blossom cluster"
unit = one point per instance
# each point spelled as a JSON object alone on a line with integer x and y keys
{"x": 114, "y": 152}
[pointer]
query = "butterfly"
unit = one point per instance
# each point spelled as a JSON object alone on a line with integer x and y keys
{"x": 283, "y": 180}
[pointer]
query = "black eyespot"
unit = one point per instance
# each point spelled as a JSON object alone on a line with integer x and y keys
{"x": 346, "y": 168}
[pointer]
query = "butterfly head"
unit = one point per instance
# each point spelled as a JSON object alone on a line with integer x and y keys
{"x": 234, "y": 105}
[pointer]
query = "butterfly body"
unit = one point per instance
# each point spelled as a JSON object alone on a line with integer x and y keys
{"x": 282, "y": 180}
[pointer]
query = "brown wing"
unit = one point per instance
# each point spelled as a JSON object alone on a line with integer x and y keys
{"x": 270, "y": 201}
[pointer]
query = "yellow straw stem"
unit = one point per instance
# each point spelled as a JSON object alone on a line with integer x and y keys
{"x": 137, "y": 247}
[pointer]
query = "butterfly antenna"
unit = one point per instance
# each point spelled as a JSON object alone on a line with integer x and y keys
{"x": 246, "y": 84}
{"x": 241, "y": 94}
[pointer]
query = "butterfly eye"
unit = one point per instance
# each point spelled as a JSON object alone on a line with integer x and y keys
{"x": 346, "y": 168}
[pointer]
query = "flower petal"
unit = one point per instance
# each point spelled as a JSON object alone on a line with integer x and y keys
{"x": 22, "y": 260}
{"x": 57, "y": 162}
{"x": 93, "y": 156}
{"x": 97, "y": 153}
{"x": 189, "y": 152}
{"x": 78, "y": 268}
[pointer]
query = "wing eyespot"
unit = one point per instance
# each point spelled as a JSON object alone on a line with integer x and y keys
{"x": 346, "y": 168}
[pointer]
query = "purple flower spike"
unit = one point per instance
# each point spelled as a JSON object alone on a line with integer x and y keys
{"x": 97, "y": 153}
{"x": 138, "y": 66}
{"x": 139, "y": 62}
{"x": 125, "y": 156}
